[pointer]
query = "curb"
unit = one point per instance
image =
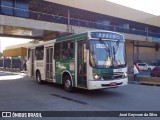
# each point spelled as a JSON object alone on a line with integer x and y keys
{"x": 153, "y": 81}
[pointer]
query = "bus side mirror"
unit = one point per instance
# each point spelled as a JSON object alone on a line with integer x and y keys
{"x": 87, "y": 44}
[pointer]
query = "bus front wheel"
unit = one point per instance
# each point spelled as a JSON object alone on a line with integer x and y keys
{"x": 68, "y": 84}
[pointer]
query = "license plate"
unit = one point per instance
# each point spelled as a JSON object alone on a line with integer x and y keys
{"x": 113, "y": 84}
{"x": 117, "y": 70}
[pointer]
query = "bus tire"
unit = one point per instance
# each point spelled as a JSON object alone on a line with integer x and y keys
{"x": 68, "y": 83}
{"x": 38, "y": 78}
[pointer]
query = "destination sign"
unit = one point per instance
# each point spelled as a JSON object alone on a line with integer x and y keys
{"x": 106, "y": 35}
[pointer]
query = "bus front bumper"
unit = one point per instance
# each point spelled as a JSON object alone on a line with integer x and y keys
{"x": 92, "y": 84}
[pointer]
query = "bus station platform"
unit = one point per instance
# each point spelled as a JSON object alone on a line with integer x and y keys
{"x": 13, "y": 59}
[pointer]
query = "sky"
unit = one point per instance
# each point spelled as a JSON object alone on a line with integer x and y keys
{"x": 149, "y": 6}
{"x": 5, "y": 41}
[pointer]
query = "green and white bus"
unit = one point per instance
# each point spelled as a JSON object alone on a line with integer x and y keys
{"x": 90, "y": 60}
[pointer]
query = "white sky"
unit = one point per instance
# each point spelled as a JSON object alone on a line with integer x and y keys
{"x": 149, "y": 6}
{"x": 4, "y": 42}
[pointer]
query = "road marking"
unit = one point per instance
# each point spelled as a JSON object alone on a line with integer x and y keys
{"x": 70, "y": 99}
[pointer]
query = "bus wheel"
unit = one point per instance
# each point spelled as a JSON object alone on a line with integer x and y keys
{"x": 38, "y": 78}
{"x": 68, "y": 84}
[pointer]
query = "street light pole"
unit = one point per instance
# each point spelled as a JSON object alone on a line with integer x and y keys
{"x": 147, "y": 33}
{"x": 68, "y": 20}
{"x": 0, "y": 46}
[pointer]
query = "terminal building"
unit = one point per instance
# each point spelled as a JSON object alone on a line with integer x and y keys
{"x": 49, "y": 19}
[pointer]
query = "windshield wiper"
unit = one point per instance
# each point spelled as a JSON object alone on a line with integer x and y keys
{"x": 93, "y": 61}
{"x": 106, "y": 47}
{"x": 108, "y": 59}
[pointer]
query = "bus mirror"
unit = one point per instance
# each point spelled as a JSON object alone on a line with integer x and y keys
{"x": 87, "y": 44}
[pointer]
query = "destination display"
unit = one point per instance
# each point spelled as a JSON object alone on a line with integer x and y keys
{"x": 106, "y": 35}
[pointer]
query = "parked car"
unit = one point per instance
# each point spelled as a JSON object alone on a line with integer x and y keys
{"x": 155, "y": 72}
{"x": 144, "y": 66}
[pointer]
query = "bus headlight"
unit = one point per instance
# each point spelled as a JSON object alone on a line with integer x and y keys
{"x": 125, "y": 74}
{"x": 97, "y": 77}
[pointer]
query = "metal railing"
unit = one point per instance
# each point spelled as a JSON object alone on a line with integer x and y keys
{"x": 17, "y": 12}
{"x": 11, "y": 64}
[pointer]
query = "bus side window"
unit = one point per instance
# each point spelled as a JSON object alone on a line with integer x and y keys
{"x": 39, "y": 53}
{"x": 71, "y": 47}
{"x": 64, "y": 51}
{"x": 67, "y": 51}
{"x": 57, "y": 51}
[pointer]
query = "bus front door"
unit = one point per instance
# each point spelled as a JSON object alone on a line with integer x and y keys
{"x": 49, "y": 63}
{"x": 32, "y": 62}
{"x": 81, "y": 64}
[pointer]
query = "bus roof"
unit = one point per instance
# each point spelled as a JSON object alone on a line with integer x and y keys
{"x": 84, "y": 35}
{"x": 78, "y": 36}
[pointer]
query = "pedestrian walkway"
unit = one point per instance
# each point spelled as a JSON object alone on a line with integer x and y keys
{"x": 145, "y": 80}
{"x": 133, "y": 82}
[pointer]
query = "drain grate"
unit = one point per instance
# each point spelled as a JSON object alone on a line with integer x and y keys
{"x": 70, "y": 99}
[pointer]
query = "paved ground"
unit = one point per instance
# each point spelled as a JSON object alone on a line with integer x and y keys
{"x": 21, "y": 93}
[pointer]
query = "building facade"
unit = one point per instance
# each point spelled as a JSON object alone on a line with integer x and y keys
{"x": 141, "y": 30}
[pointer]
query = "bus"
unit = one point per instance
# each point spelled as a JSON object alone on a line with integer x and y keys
{"x": 91, "y": 60}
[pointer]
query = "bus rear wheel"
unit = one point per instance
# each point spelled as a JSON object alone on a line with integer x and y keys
{"x": 38, "y": 78}
{"x": 68, "y": 84}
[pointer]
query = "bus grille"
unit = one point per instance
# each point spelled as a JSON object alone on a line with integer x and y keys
{"x": 113, "y": 76}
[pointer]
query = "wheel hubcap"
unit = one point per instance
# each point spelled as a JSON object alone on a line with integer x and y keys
{"x": 38, "y": 78}
{"x": 67, "y": 84}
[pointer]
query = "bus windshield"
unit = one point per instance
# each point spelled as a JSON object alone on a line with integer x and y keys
{"x": 107, "y": 54}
